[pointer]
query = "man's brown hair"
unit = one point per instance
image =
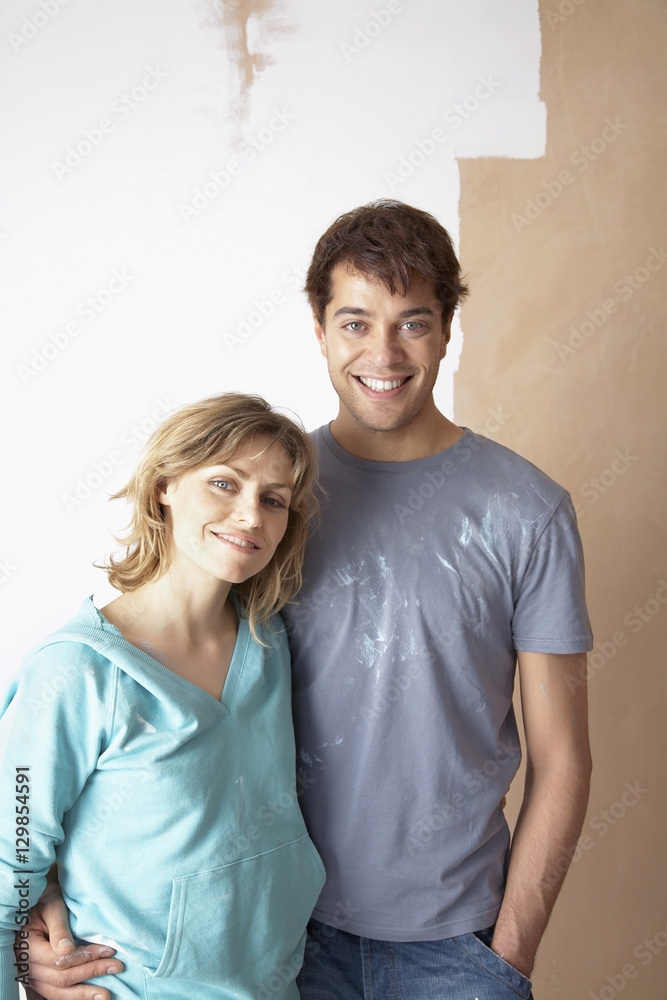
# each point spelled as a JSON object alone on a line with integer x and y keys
{"x": 392, "y": 242}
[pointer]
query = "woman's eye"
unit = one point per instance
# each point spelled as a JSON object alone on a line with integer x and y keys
{"x": 222, "y": 483}
{"x": 275, "y": 502}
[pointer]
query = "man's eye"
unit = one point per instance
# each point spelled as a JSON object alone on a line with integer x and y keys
{"x": 412, "y": 326}
{"x": 355, "y": 326}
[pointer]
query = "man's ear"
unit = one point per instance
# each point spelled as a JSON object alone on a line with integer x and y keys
{"x": 446, "y": 334}
{"x": 321, "y": 337}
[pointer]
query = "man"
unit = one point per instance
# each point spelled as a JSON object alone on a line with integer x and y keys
{"x": 441, "y": 559}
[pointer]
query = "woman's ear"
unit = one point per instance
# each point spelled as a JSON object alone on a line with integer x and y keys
{"x": 165, "y": 489}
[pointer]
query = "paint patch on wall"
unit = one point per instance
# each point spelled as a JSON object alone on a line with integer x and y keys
{"x": 246, "y": 29}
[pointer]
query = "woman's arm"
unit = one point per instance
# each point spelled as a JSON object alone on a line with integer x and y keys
{"x": 53, "y": 722}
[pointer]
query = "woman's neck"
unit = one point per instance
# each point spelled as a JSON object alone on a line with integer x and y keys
{"x": 191, "y": 630}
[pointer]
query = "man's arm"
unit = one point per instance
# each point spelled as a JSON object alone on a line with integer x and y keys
{"x": 558, "y": 768}
{"x": 55, "y": 965}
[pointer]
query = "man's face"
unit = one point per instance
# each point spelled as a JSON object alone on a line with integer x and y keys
{"x": 383, "y": 351}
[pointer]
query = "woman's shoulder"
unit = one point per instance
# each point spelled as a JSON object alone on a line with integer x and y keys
{"x": 273, "y": 638}
{"x": 69, "y": 657}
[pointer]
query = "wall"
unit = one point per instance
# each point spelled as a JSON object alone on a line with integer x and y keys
{"x": 174, "y": 162}
{"x": 564, "y": 338}
{"x": 171, "y": 165}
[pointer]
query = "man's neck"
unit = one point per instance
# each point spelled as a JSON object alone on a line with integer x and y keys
{"x": 406, "y": 444}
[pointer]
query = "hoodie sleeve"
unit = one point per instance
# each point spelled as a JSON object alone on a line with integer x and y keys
{"x": 53, "y": 727}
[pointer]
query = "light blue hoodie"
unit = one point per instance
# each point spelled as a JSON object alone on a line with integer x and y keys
{"x": 173, "y": 816}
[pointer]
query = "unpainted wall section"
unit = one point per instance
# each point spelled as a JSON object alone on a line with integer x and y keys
{"x": 564, "y": 359}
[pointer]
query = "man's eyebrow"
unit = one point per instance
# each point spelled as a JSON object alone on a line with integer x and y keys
{"x": 351, "y": 311}
{"x": 405, "y": 314}
{"x": 418, "y": 311}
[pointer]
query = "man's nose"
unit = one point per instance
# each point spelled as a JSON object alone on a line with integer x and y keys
{"x": 386, "y": 348}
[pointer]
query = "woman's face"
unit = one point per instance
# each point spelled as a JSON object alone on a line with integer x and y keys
{"x": 226, "y": 519}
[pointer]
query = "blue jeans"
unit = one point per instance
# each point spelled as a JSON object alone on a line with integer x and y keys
{"x": 342, "y": 966}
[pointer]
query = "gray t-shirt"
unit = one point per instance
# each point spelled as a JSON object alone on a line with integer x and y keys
{"x": 422, "y": 581}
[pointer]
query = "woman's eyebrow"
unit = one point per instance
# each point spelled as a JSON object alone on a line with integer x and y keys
{"x": 244, "y": 475}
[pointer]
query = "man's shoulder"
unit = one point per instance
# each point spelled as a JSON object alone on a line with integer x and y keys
{"x": 318, "y": 435}
{"x": 475, "y": 468}
{"x": 505, "y": 467}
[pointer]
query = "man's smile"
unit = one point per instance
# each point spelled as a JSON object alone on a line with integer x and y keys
{"x": 382, "y": 385}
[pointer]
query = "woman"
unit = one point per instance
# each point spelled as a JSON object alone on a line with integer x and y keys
{"x": 151, "y": 742}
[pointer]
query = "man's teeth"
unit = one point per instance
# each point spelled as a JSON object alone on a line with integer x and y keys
{"x": 239, "y": 541}
{"x": 378, "y": 385}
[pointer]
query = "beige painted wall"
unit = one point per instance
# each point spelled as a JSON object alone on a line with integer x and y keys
{"x": 564, "y": 339}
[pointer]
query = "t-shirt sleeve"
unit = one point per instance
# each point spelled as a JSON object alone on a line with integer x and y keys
{"x": 550, "y": 613}
{"x": 52, "y": 722}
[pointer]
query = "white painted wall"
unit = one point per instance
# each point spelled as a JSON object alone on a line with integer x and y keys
{"x": 333, "y": 119}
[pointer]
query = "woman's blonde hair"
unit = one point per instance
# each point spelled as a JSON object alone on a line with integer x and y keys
{"x": 193, "y": 436}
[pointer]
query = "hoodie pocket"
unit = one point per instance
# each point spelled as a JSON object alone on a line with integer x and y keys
{"x": 237, "y": 927}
